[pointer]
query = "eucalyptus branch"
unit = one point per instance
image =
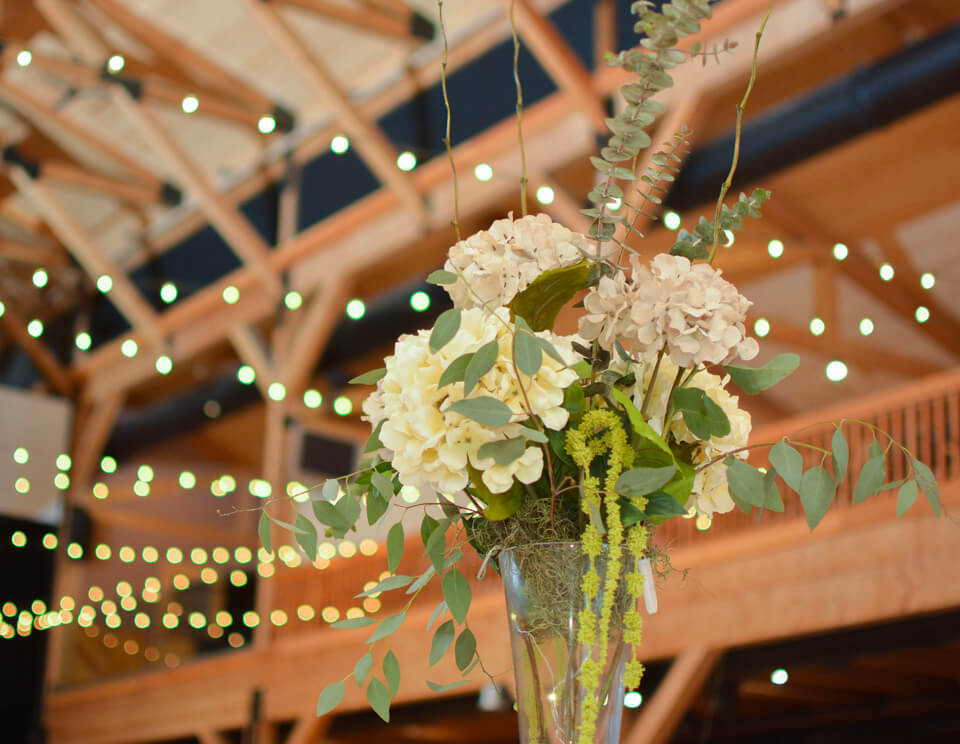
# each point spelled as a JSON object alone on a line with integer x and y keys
{"x": 516, "y": 81}
{"x": 736, "y": 142}
{"x": 446, "y": 139}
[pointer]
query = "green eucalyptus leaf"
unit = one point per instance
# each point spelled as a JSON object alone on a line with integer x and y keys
{"x": 379, "y": 698}
{"x": 550, "y": 350}
{"x": 391, "y": 582}
{"x": 636, "y": 420}
{"x": 330, "y": 490}
{"x": 527, "y": 353}
{"x": 263, "y": 530}
{"x": 643, "y": 481}
{"x": 871, "y": 478}
{"x": 817, "y": 491}
{"x": 446, "y": 327}
{"x": 841, "y": 455}
{"x": 353, "y": 622}
{"x": 534, "y": 435}
{"x": 754, "y": 380}
{"x": 377, "y": 506}
{"x": 445, "y": 688}
{"x": 503, "y": 451}
{"x": 307, "y": 536}
{"x": 927, "y": 484}
{"x": 373, "y": 441}
{"x": 391, "y": 672}
{"x": 330, "y": 698}
{"x": 484, "y": 410}
{"x": 362, "y": 668}
{"x": 788, "y": 462}
{"x": 456, "y": 593}
{"x": 436, "y": 547}
{"x": 543, "y": 299}
{"x": 455, "y": 370}
{"x": 772, "y": 499}
{"x": 438, "y": 612}
{"x": 481, "y": 363}
{"x": 441, "y": 276}
{"x": 387, "y": 627}
{"x": 383, "y": 484}
{"x": 465, "y": 649}
{"x": 746, "y": 482}
{"x": 369, "y": 378}
{"x": 395, "y": 546}
{"x": 427, "y": 525}
{"x": 442, "y": 639}
{"x": 422, "y": 581}
{"x": 906, "y": 497}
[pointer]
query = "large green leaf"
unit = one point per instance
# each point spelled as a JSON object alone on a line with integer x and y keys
{"x": 457, "y": 593}
{"x": 636, "y": 420}
{"x": 446, "y": 327}
{"x": 480, "y": 363}
{"x": 362, "y": 668}
{"x": 353, "y": 622}
{"x": 391, "y": 582}
{"x": 788, "y": 462}
{"x": 441, "y": 276}
{"x": 540, "y": 302}
{"x": 754, "y": 380}
{"x": 369, "y": 378}
{"x": 263, "y": 530}
{"x": 442, "y": 639}
{"x": 465, "y": 649}
{"x": 379, "y": 698}
{"x": 906, "y": 497}
{"x": 527, "y": 353}
{"x": 484, "y": 410}
{"x": 504, "y": 451}
{"x": 745, "y": 481}
{"x": 871, "y": 478}
{"x": 436, "y": 687}
{"x": 395, "y": 546}
{"x": 306, "y": 536}
{"x": 817, "y": 490}
{"x": 701, "y": 415}
{"x": 330, "y": 698}
{"x": 840, "y": 454}
{"x": 499, "y": 505}
{"x": 455, "y": 370}
{"x": 928, "y": 484}
{"x": 643, "y": 481}
{"x": 387, "y": 627}
{"x": 391, "y": 671}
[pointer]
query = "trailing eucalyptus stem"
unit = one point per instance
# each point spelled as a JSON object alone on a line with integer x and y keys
{"x": 736, "y": 141}
{"x": 516, "y": 81}
{"x": 446, "y": 139}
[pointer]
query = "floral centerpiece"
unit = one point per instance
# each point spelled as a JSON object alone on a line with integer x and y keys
{"x": 562, "y": 449}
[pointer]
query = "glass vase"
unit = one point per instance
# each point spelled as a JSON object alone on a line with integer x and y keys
{"x": 544, "y": 601}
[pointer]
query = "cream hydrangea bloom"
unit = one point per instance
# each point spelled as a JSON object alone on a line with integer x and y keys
{"x": 501, "y": 262}
{"x": 689, "y": 310}
{"x": 710, "y": 493}
{"x": 431, "y": 445}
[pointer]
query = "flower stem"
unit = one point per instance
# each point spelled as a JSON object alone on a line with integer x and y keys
{"x": 516, "y": 81}
{"x": 446, "y": 139}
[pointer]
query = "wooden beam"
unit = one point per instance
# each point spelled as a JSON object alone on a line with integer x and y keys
{"x": 72, "y": 175}
{"x": 309, "y": 728}
{"x": 558, "y": 58}
{"x": 825, "y": 293}
{"x": 663, "y": 712}
{"x": 49, "y": 367}
{"x": 72, "y": 234}
{"x": 208, "y": 736}
{"x": 28, "y": 253}
{"x": 239, "y": 234}
{"x": 370, "y": 19}
{"x": 55, "y": 123}
{"x": 192, "y": 62}
{"x": 373, "y": 146}
{"x": 866, "y": 356}
{"x": 73, "y": 29}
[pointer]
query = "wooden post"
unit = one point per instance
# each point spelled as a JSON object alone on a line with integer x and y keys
{"x": 43, "y": 359}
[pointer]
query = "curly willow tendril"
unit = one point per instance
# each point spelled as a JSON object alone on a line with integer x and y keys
{"x": 599, "y": 434}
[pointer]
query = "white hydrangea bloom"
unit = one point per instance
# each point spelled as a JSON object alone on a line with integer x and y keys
{"x": 501, "y": 262}
{"x": 687, "y": 309}
{"x": 431, "y": 445}
{"x": 710, "y": 493}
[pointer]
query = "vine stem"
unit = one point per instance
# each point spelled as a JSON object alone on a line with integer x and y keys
{"x": 516, "y": 81}
{"x": 736, "y": 141}
{"x": 446, "y": 139}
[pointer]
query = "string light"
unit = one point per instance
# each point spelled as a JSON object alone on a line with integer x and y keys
{"x": 343, "y": 406}
{"x": 21, "y": 456}
{"x": 339, "y": 144}
{"x": 266, "y": 124}
{"x": 212, "y": 409}
{"x": 129, "y": 348}
{"x": 775, "y": 248}
{"x": 922, "y": 314}
{"x": 24, "y": 58}
{"x": 276, "y": 391}
{"x": 230, "y": 294}
{"x": 83, "y": 341}
{"x": 927, "y": 280}
{"x": 35, "y": 328}
{"x": 40, "y": 278}
{"x": 420, "y": 301}
{"x": 164, "y": 365}
{"x": 190, "y": 104}
{"x": 632, "y": 699}
{"x": 108, "y": 464}
{"x": 246, "y": 374}
{"x": 840, "y": 251}
{"x": 779, "y": 677}
{"x": 293, "y": 300}
{"x": 356, "y": 309}
{"x": 761, "y": 327}
{"x": 836, "y": 371}
{"x": 545, "y": 195}
{"x": 406, "y": 161}
{"x": 187, "y": 480}
{"x": 312, "y": 398}
{"x": 482, "y": 172}
{"x": 22, "y": 485}
{"x": 886, "y": 272}
{"x": 168, "y": 292}
{"x": 671, "y": 220}
{"x": 105, "y": 283}
{"x": 866, "y": 326}
{"x": 115, "y": 63}
{"x": 817, "y": 326}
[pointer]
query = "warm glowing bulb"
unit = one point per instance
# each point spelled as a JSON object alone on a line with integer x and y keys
{"x": 164, "y": 364}
{"x": 343, "y": 406}
{"x": 922, "y": 314}
{"x": 246, "y": 374}
{"x": 406, "y": 161}
{"x": 230, "y": 294}
{"x": 108, "y": 464}
{"x": 104, "y": 283}
{"x": 840, "y": 251}
{"x": 836, "y": 371}
{"x": 129, "y": 348}
{"x": 24, "y": 58}
{"x": 40, "y": 278}
{"x": 483, "y": 172}
{"x": 266, "y": 124}
{"x": 886, "y": 272}
{"x": 35, "y": 328}
{"x": 356, "y": 309}
{"x": 83, "y": 341}
{"x": 187, "y": 480}
{"x": 866, "y": 326}
{"x": 276, "y": 391}
{"x": 420, "y": 301}
{"x": 671, "y": 220}
{"x": 775, "y": 248}
{"x": 545, "y": 195}
{"x": 115, "y": 63}
{"x": 761, "y": 327}
{"x": 21, "y": 456}
{"x": 168, "y": 292}
{"x": 632, "y": 699}
{"x": 779, "y": 677}
{"x": 339, "y": 144}
{"x": 817, "y": 326}
{"x": 927, "y": 280}
{"x": 189, "y": 104}
{"x": 312, "y": 398}
{"x": 293, "y": 300}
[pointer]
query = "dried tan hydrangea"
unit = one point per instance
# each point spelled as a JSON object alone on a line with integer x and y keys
{"x": 689, "y": 310}
{"x": 501, "y": 262}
